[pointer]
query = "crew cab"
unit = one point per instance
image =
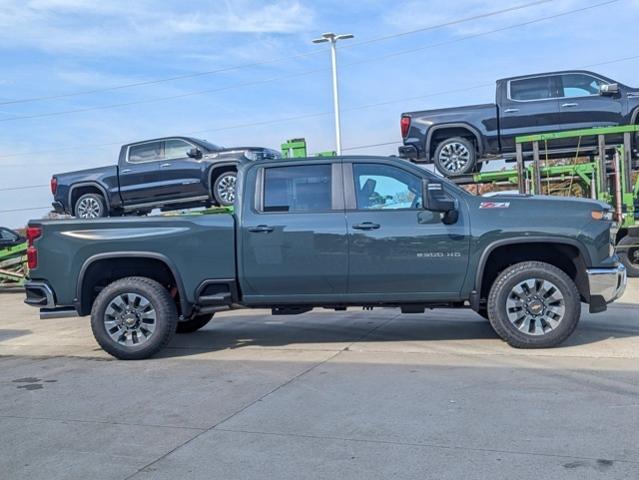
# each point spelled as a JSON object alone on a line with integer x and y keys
{"x": 333, "y": 233}
{"x": 455, "y": 139}
{"x": 165, "y": 173}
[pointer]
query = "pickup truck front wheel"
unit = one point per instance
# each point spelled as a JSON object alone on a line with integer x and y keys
{"x": 193, "y": 324}
{"x": 455, "y": 156}
{"x": 90, "y": 205}
{"x": 534, "y": 305}
{"x": 133, "y": 318}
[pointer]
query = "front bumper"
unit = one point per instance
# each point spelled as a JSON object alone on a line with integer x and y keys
{"x": 606, "y": 284}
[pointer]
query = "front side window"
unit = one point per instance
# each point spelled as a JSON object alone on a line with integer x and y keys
{"x": 580, "y": 85}
{"x": 537, "y": 88}
{"x": 174, "y": 149}
{"x": 145, "y": 152}
{"x": 383, "y": 187}
{"x": 304, "y": 188}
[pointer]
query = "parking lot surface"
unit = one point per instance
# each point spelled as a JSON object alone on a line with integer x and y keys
{"x": 355, "y": 394}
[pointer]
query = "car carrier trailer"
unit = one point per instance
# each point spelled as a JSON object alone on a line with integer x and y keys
{"x": 611, "y": 175}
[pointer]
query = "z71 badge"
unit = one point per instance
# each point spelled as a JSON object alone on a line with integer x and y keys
{"x": 494, "y": 205}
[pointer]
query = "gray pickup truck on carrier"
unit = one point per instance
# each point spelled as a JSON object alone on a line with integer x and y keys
{"x": 332, "y": 233}
{"x": 455, "y": 139}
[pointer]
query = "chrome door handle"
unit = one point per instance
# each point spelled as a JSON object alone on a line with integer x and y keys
{"x": 566, "y": 105}
{"x": 126, "y": 170}
{"x": 165, "y": 165}
{"x": 261, "y": 229}
{"x": 366, "y": 226}
{"x": 511, "y": 110}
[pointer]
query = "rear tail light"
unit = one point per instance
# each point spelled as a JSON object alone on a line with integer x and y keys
{"x": 54, "y": 185}
{"x": 405, "y": 126}
{"x": 32, "y": 252}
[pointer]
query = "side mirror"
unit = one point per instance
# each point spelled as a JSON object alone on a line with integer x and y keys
{"x": 195, "y": 153}
{"x": 435, "y": 198}
{"x": 609, "y": 89}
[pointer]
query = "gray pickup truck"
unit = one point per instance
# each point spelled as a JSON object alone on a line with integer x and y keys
{"x": 332, "y": 233}
{"x": 455, "y": 139}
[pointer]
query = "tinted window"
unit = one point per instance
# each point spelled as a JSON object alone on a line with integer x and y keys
{"x": 382, "y": 187}
{"x": 538, "y": 88}
{"x": 176, "y": 149}
{"x": 297, "y": 189}
{"x": 580, "y": 85}
{"x": 8, "y": 235}
{"x": 145, "y": 152}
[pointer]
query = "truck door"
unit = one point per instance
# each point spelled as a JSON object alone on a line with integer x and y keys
{"x": 582, "y": 106}
{"x": 397, "y": 250}
{"x": 527, "y": 106}
{"x": 139, "y": 171}
{"x": 293, "y": 245}
{"x": 180, "y": 176}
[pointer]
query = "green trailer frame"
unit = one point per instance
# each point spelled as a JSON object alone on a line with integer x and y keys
{"x": 13, "y": 265}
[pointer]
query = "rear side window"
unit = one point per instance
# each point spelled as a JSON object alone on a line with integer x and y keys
{"x": 304, "y": 188}
{"x": 145, "y": 152}
{"x": 537, "y": 88}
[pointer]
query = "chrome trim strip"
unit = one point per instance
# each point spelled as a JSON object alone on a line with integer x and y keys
{"x": 123, "y": 233}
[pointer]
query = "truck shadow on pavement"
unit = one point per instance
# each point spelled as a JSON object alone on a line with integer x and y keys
{"x": 333, "y": 331}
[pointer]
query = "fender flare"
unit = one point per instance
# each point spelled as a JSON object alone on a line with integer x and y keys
{"x": 519, "y": 240}
{"x": 184, "y": 304}
{"x": 213, "y": 168}
{"x": 467, "y": 126}
{"x": 73, "y": 186}
{"x": 634, "y": 117}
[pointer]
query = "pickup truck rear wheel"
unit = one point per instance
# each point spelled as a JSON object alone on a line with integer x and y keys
{"x": 193, "y": 324}
{"x": 455, "y": 156}
{"x": 534, "y": 305}
{"x": 133, "y": 318}
{"x": 90, "y": 205}
{"x": 224, "y": 189}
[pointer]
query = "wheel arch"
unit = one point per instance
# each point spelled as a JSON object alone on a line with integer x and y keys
{"x": 78, "y": 189}
{"x": 456, "y": 127}
{"x": 567, "y": 254}
{"x": 216, "y": 169}
{"x": 126, "y": 264}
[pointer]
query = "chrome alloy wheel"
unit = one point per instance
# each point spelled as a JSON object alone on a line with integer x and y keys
{"x": 226, "y": 188}
{"x": 535, "y": 306}
{"x": 130, "y": 319}
{"x": 89, "y": 207}
{"x": 454, "y": 157}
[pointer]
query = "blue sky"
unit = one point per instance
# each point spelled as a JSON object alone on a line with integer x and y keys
{"x": 56, "y": 47}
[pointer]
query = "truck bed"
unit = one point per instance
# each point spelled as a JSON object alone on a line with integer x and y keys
{"x": 201, "y": 245}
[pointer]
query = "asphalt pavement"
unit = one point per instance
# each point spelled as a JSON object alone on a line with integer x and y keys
{"x": 351, "y": 395}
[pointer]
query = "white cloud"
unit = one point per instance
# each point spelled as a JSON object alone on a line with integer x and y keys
{"x": 119, "y": 26}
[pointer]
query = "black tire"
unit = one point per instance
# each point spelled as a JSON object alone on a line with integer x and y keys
{"x": 164, "y": 308}
{"x": 503, "y": 289}
{"x": 223, "y": 194}
{"x": 455, "y": 156}
{"x": 90, "y": 205}
{"x": 193, "y": 324}
{"x": 628, "y": 251}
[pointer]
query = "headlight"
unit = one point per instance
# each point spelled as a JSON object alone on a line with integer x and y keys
{"x": 602, "y": 215}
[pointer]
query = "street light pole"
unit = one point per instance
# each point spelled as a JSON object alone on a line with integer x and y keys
{"x": 332, "y": 38}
